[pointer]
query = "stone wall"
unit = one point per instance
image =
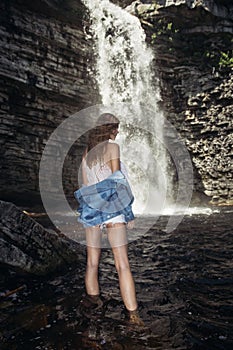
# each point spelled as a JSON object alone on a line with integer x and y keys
{"x": 43, "y": 70}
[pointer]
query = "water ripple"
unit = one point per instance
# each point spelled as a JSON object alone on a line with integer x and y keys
{"x": 184, "y": 286}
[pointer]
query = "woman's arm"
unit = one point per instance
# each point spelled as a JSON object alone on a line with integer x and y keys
{"x": 84, "y": 175}
{"x": 114, "y": 157}
{"x": 115, "y": 165}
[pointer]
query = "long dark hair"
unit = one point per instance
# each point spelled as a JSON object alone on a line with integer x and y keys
{"x": 98, "y": 137}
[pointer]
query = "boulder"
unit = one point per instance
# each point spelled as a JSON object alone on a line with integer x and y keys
{"x": 28, "y": 247}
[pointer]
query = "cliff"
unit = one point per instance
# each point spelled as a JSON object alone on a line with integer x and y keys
{"x": 193, "y": 45}
{"x": 43, "y": 64}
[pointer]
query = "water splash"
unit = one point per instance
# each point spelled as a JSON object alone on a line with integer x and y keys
{"x": 123, "y": 73}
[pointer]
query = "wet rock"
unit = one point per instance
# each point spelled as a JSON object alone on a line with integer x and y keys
{"x": 29, "y": 248}
{"x": 43, "y": 70}
{"x": 139, "y": 9}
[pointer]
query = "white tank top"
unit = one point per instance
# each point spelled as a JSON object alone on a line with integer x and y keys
{"x": 96, "y": 173}
{"x": 100, "y": 172}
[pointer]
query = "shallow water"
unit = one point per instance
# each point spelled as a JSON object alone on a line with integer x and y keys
{"x": 184, "y": 287}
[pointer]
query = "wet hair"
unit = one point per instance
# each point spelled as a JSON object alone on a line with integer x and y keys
{"x": 98, "y": 137}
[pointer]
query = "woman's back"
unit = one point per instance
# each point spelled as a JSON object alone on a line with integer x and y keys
{"x": 100, "y": 170}
{"x": 96, "y": 173}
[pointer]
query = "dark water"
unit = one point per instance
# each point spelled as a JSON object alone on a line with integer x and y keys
{"x": 184, "y": 287}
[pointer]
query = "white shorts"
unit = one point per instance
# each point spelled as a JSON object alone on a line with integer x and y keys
{"x": 117, "y": 219}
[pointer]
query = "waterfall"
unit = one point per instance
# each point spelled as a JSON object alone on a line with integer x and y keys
{"x": 124, "y": 76}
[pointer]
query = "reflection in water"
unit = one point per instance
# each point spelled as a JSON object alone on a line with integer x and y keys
{"x": 184, "y": 286}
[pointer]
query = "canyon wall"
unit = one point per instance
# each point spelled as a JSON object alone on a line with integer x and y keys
{"x": 193, "y": 45}
{"x": 44, "y": 63}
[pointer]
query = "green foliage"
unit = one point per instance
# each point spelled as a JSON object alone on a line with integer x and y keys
{"x": 226, "y": 59}
{"x": 169, "y": 26}
{"x": 213, "y": 52}
{"x": 153, "y": 37}
{"x": 164, "y": 28}
{"x": 210, "y": 55}
{"x": 220, "y": 59}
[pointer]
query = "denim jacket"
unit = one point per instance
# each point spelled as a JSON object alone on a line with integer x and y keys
{"x": 105, "y": 200}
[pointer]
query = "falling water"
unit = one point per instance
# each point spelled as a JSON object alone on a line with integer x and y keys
{"x": 124, "y": 75}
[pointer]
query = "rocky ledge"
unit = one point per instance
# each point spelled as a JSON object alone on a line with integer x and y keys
{"x": 28, "y": 248}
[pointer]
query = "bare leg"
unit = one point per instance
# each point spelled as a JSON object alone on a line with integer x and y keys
{"x": 93, "y": 238}
{"x": 118, "y": 240}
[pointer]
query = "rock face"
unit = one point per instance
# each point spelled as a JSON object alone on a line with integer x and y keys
{"x": 27, "y": 247}
{"x": 193, "y": 45}
{"x": 43, "y": 70}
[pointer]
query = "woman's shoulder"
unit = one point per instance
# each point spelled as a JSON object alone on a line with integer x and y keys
{"x": 113, "y": 147}
{"x": 113, "y": 144}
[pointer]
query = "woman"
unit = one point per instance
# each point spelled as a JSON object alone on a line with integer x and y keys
{"x": 104, "y": 175}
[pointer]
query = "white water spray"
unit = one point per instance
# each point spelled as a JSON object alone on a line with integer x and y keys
{"x": 124, "y": 75}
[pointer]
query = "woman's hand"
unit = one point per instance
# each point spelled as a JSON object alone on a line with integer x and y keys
{"x": 130, "y": 224}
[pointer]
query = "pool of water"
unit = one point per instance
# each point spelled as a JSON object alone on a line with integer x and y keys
{"x": 184, "y": 283}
